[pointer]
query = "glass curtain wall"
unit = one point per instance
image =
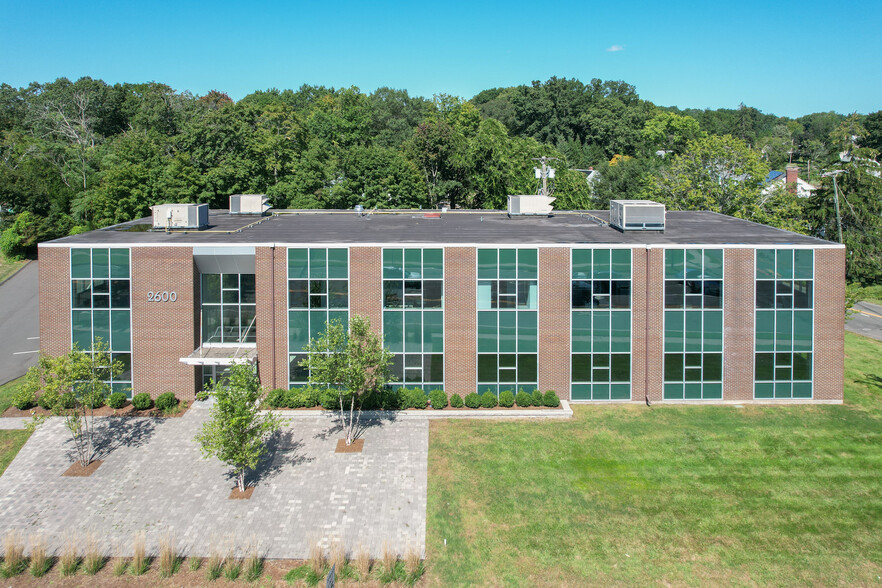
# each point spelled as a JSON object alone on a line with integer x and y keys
{"x": 101, "y": 306}
{"x": 228, "y": 308}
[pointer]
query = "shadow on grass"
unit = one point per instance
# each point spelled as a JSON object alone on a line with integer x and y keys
{"x": 871, "y": 380}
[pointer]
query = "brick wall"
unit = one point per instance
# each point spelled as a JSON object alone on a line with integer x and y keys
{"x": 654, "y": 342}
{"x": 460, "y": 320}
{"x": 54, "y": 294}
{"x": 554, "y": 320}
{"x": 738, "y": 324}
{"x": 271, "y": 287}
{"x": 164, "y": 332}
{"x": 366, "y": 284}
{"x": 829, "y": 355}
{"x": 638, "y": 323}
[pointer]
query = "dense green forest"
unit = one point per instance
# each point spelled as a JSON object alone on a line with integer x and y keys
{"x": 80, "y": 155}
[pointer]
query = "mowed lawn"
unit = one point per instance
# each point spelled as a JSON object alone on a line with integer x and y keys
{"x": 10, "y": 441}
{"x": 689, "y": 495}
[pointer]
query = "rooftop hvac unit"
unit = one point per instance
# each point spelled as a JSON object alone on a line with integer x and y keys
{"x": 249, "y": 204}
{"x": 531, "y": 204}
{"x": 637, "y": 215}
{"x": 180, "y": 216}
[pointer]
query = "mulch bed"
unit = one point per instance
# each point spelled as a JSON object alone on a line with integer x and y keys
{"x": 356, "y": 447}
{"x": 237, "y": 495}
{"x": 128, "y": 411}
{"x": 76, "y": 470}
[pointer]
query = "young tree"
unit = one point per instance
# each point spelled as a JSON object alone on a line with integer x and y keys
{"x": 237, "y": 432}
{"x": 354, "y": 363}
{"x": 75, "y": 384}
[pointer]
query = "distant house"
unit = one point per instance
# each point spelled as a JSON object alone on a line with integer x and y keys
{"x": 789, "y": 179}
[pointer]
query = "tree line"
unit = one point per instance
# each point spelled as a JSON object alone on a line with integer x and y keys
{"x": 75, "y": 156}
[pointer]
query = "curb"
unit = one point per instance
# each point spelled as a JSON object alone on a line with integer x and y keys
{"x": 15, "y": 273}
{"x": 563, "y": 412}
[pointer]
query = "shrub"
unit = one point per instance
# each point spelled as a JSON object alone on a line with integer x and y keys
{"x": 384, "y": 399}
{"x": 550, "y": 399}
{"x": 24, "y": 398}
{"x": 472, "y": 400}
{"x": 97, "y": 401}
{"x": 166, "y": 401}
{"x": 277, "y": 398}
{"x": 330, "y": 399}
{"x": 117, "y": 400}
{"x": 456, "y": 401}
{"x": 414, "y": 397}
{"x": 488, "y": 400}
{"x": 303, "y": 397}
{"x": 438, "y": 399}
{"x": 68, "y": 400}
{"x": 506, "y": 398}
{"x": 523, "y": 399}
{"x": 47, "y": 400}
{"x": 537, "y": 398}
{"x": 142, "y": 401}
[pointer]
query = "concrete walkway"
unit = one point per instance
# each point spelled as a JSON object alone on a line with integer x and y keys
{"x": 154, "y": 479}
{"x": 13, "y": 423}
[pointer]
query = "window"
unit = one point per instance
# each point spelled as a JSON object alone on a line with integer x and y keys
{"x": 693, "y": 366}
{"x": 600, "y": 330}
{"x": 413, "y": 316}
{"x": 507, "y": 320}
{"x": 101, "y": 306}
{"x": 318, "y": 293}
{"x": 228, "y": 308}
{"x": 784, "y": 323}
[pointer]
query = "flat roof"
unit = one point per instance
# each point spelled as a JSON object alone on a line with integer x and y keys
{"x": 435, "y": 227}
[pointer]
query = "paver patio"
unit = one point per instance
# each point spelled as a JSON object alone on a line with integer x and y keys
{"x": 154, "y": 479}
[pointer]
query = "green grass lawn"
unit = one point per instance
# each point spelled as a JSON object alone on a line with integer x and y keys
{"x": 10, "y": 441}
{"x": 872, "y": 294}
{"x": 7, "y": 390}
{"x": 684, "y": 495}
{"x": 7, "y": 268}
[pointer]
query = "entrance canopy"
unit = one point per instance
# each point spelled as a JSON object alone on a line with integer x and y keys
{"x": 222, "y": 355}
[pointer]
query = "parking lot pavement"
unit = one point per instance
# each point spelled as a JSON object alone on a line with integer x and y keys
{"x": 19, "y": 323}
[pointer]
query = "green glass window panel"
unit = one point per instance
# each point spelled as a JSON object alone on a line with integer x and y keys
{"x": 764, "y": 390}
{"x": 433, "y": 332}
{"x": 620, "y": 367}
{"x": 298, "y": 330}
{"x": 433, "y": 368}
{"x": 620, "y": 331}
{"x": 601, "y": 264}
{"x": 784, "y": 267}
{"x": 211, "y": 324}
{"x": 246, "y": 289}
{"x": 713, "y": 391}
{"x": 487, "y": 267}
{"x": 508, "y": 264}
{"x": 581, "y": 264}
{"x": 487, "y": 333}
{"x": 413, "y": 332}
{"x": 527, "y": 264}
{"x": 80, "y": 263}
{"x": 527, "y": 332}
{"x": 692, "y": 391}
{"x": 119, "y": 263}
{"x": 100, "y": 263}
{"x": 340, "y": 316}
{"x": 317, "y": 323}
{"x": 713, "y": 330}
{"x": 413, "y": 264}
{"x": 713, "y": 367}
{"x": 713, "y": 264}
{"x": 338, "y": 263}
{"x": 693, "y": 336}
{"x": 674, "y": 325}
{"x": 802, "y": 330}
{"x": 673, "y": 367}
{"x": 527, "y": 368}
{"x": 765, "y": 330}
{"x": 600, "y": 374}
{"x": 81, "y": 327}
{"x": 487, "y": 294}
{"x": 580, "y": 391}
{"x": 211, "y": 289}
{"x": 693, "y": 264}
{"x": 508, "y": 332}
{"x": 393, "y": 331}
{"x": 581, "y": 367}
{"x": 120, "y": 330}
{"x": 783, "y": 331}
{"x": 673, "y": 391}
{"x": 783, "y": 390}
{"x": 393, "y": 264}
{"x": 581, "y": 332}
{"x": 802, "y": 366}
{"x": 101, "y": 325}
{"x": 765, "y": 264}
{"x": 803, "y": 266}
{"x": 620, "y": 392}
{"x": 318, "y": 261}
{"x": 488, "y": 388}
{"x": 600, "y": 332}
{"x": 674, "y": 264}
{"x": 802, "y": 390}
{"x": 249, "y": 323}
{"x": 621, "y": 264}
{"x": 764, "y": 367}
{"x": 297, "y": 264}
{"x": 600, "y": 392}
{"x": 433, "y": 264}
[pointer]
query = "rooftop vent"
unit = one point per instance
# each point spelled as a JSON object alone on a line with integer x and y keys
{"x": 531, "y": 204}
{"x": 637, "y": 215}
{"x": 249, "y": 204}
{"x": 180, "y": 216}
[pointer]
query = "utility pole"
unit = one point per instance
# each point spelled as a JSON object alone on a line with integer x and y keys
{"x": 833, "y": 174}
{"x": 544, "y": 173}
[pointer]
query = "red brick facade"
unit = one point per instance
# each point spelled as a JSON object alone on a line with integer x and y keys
{"x": 54, "y": 293}
{"x": 460, "y": 320}
{"x": 738, "y": 324}
{"x": 366, "y": 284}
{"x": 829, "y": 357}
{"x": 554, "y": 320}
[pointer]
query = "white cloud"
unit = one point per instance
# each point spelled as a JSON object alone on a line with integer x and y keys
{"x": 616, "y": 48}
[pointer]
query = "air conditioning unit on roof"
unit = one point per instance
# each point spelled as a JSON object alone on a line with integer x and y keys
{"x": 180, "y": 216}
{"x": 249, "y": 204}
{"x": 637, "y": 215}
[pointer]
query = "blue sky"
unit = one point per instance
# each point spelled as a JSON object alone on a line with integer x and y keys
{"x": 785, "y": 58}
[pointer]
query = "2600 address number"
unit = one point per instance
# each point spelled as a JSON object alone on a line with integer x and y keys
{"x": 157, "y": 296}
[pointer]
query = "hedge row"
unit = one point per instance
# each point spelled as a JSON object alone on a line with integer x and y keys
{"x": 402, "y": 398}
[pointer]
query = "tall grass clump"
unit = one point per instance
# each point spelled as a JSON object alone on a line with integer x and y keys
{"x": 139, "y": 554}
{"x": 169, "y": 562}
{"x": 40, "y": 562}
{"x": 316, "y": 558}
{"x": 253, "y": 561}
{"x": 93, "y": 559}
{"x": 337, "y": 557}
{"x": 363, "y": 563}
{"x": 215, "y": 561}
{"x": 69, "y": 560}
{"x": 413, "y": 566}
{"x": 233, "y": 565}
{"x": 13, "y": 554}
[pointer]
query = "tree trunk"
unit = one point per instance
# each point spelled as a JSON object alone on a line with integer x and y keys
{"x": 241, "y": 480}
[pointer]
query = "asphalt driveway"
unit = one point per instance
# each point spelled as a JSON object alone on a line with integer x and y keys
{"x": 19, "y": 323}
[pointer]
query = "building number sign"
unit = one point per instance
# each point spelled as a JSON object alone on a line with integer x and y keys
{"x": 157, "y": 296}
